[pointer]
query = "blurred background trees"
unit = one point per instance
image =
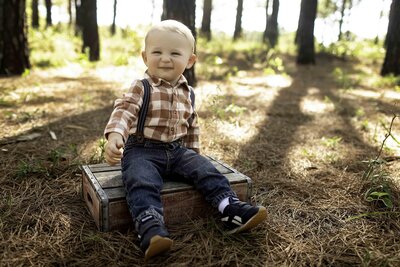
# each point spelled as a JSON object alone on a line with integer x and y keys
{"x": 271, "y": 32}
{"x": 391, "y": 64}
{"x": 14, "y": 53}
{"x": 82, "y": 16}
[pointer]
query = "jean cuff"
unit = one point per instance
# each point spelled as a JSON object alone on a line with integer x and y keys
{"x": 216, "y": 200}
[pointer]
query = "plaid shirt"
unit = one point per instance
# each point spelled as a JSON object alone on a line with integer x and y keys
{"x": 168, "y": 113}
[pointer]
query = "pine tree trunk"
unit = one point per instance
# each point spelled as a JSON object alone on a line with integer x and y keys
{"x": 49, "y": 21}
{"x": 343, "y": 9}
{"x": 70, "y": 12}
{"x": 185, "y": 12}
{"x": 35, "y": 14}
{"x": 114, "y": 16}
{"x": 14, "y": 53}
{"x": 78, "y": 17}
{"x": 90, "y": 32}
{"x": 206, "y": 21}
{"x": 391, "y": 64}
{"x": 271, "y": 32}
{"x": 305, "y": 32}
{"x": 238, "y": 24}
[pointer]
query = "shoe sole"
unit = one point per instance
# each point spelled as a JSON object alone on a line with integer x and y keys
{"x": 253, "y": 222}
{"x": 158, "y": 245}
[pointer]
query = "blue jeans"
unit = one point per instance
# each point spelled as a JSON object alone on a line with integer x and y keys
{"x": 144, "y": 165}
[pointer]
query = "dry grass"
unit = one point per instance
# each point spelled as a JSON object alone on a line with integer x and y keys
{"x": 301, "y": 138}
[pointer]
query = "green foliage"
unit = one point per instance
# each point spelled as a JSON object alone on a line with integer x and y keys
{"x": 119, "y": 49}
{"x": 389, "y": 81}
{"x": 331, "y": 141}
{"x": 379, "y": 184}
{"x": 362, "y": 49}
{"x": 378, "y": 181}
{"x": 221, "y": 58}
{"x": 25, "y": 169}
{"x": 57, "y": 46}
{"x": 345, "y": 80}
{"x": 53, "y": 47}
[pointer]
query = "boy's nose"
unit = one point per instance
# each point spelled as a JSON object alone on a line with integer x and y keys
{"x": 165, "y": 58}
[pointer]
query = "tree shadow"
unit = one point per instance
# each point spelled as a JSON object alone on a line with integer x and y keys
{"x": 322, "y": 196}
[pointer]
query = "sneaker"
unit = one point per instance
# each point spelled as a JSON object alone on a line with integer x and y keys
{"x": 240, "y": 216}
{"x": 153, "y": 236}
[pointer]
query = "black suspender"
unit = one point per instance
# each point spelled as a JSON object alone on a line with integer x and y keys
{"x": 143, "y": 111}
{"x": 145, "y": 106}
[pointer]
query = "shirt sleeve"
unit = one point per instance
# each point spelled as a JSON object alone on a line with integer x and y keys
{"x": 192, "y": 139}
{"x": 125, "y": 111}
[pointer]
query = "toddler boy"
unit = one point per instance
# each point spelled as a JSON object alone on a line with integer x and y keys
{"x": 168, "y": 144}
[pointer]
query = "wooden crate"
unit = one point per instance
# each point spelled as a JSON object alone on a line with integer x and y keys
{"x": 104, "y": 195}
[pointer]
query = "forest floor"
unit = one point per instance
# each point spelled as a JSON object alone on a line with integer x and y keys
{"x": 302, "y": 137}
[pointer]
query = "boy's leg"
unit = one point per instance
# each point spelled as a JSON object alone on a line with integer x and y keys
{"x": 237, "y": 216}
{"x": 141, "y": 174}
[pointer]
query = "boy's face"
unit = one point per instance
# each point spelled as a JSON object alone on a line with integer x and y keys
{"x": 167, "y": 55}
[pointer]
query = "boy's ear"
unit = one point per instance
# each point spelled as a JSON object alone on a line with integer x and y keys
{"x": 144, "y": 57}
{"x": 191, "y": 61}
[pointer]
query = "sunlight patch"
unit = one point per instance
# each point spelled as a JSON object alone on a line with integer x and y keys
{"x": 364, "y": 93}
{"x": 120, "y": 74}
{"x": 279, "y": 81}
{"x": 392, "y": 95}
{"x": 72, "y": 70}
{"x": 276, "y": 80}
{"x": 239, "y": 133}
{"x": 315, "y": 106}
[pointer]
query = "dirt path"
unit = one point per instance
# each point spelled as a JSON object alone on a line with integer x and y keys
{"x": 300, "y": 137}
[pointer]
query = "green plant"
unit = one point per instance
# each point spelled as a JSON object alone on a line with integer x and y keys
{"x": 331, "y": 141}
{"x": 388, "y": 81}
{"x": 343, "y": 79}
{"x": 379, "y": 186}
{"x": 365, "y": 49}
{"x": 25, "y": 169}
{"x": 98, "y": 155}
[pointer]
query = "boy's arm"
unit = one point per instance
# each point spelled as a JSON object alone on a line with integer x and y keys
{"x": 192, "y": 139}
{"x": 113, "y": 153}
{"x": 125, "y": 111}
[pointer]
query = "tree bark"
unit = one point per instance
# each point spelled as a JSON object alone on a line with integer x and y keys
{"x": 206, "y": 21}
{"x": 342, "y": 10}
{"x": 78, "y": 17}
{"x": 185, "y": 12}
{"x": 391, "y": 64}
{"x": 49, "y": 21}
{"x": 35, "y": 14}
{"x": 14, "y": 52}
{"x": 69, "y": 7}
{"x": 90, "y": 32}
{"x": 114, "y": 16}
{"x": 271, "y": 32}
{"x": 305, "y": 32}
{"x": 238, "y": 24}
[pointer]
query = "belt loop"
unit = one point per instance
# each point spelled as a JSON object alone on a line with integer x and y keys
{"x": 140, "y": 138}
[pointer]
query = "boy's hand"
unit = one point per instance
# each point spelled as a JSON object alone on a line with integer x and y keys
{"x": 113, "y": 151}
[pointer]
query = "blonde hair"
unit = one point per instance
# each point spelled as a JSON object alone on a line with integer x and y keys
{"x": 173, "y": 26}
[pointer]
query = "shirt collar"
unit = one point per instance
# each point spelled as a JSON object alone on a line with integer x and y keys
{"x": 155, "y": 81}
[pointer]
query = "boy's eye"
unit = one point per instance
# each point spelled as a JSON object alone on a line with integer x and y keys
{"x": 176, "y": 53}
{"x": 156, "y": 52}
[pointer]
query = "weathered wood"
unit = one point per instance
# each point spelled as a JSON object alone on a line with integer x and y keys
{"x": 104, "y": 195}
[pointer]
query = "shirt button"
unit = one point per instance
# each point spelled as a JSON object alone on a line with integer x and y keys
{"x": 172, "y": 129}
